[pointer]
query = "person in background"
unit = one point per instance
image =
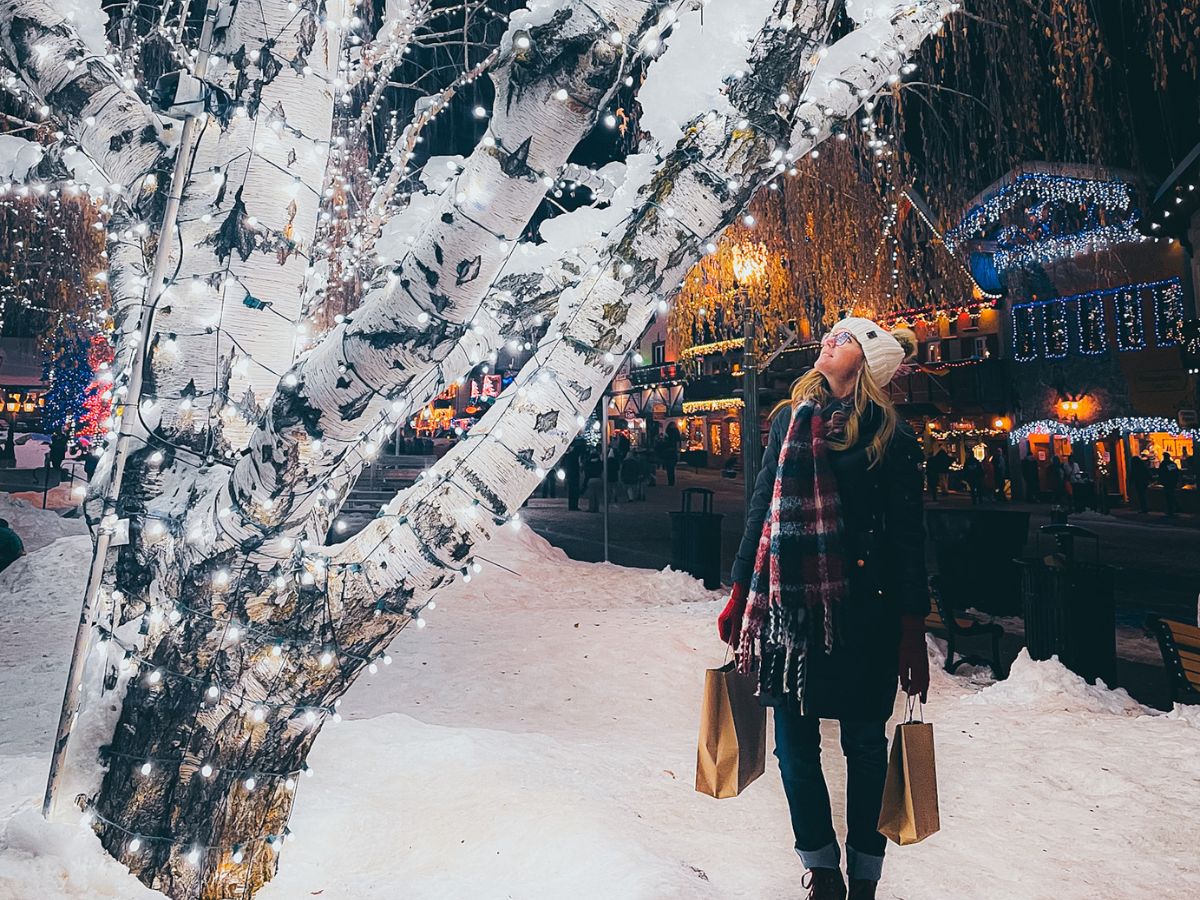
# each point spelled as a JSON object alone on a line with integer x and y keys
{"x": 973, "y": 475}
{"x": 8, "y": 451}
{"x": 1000, "y": 473}
{"x": 668, "y": 449}
{"x": 614, "y": 471}
{"x": 937, "y": 466}
{"x": 1139, "y": 478}
{"x": 631, "y": 475}
{"x": 90, "y": 461}
{"x": 1030, "y": 477}
{"x": 593, "y": 480}
{"x": 1168, "y": 477}
{"x": 1187, "y": 466}
{"x": 11, "y": 546}
{"x": 1056, "y": 475}
{"x": 830, "y": 591}
{"x": 58, "y": 451}
{"x": 1071, "y": 471}
{"x": 572, "y": 464}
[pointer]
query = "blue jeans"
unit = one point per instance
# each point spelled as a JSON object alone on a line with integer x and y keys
{"x": 798, "y": 748}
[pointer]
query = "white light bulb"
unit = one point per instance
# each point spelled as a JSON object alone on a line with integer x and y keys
{"x": 146, "y": 768}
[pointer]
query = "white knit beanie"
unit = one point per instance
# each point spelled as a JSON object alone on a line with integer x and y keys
{"x": 883, "y": 352}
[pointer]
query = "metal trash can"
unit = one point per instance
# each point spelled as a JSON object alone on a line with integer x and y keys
{"x": 696, "y": 538}
{"x": 1069, "y": 607}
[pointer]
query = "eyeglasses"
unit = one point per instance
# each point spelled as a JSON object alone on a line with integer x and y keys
{"x": 837, "y": 338}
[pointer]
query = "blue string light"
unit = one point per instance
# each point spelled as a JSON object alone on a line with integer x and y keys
{"x": 1041, "y": 328}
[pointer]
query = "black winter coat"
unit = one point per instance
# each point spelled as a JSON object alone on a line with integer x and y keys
{"x": 884, "y": 530}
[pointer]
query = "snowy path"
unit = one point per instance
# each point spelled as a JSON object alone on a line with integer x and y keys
{"x": 537, "y": 740}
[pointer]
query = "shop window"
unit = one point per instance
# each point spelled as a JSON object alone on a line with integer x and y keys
{"x": 714, "y": 439}
{"x": 933, "y": 351}
{"x": 658, "y": 353}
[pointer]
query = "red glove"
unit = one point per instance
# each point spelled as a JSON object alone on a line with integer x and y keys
{"x": 914, "y": 659}
{"x": 729, "y": 622}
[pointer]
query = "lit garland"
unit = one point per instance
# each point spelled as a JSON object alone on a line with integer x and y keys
{"x": 709, "y": 349}
{"x": 691, "y": 407}
{"x": 1125, "y": 425}
{"x": 967, "y": 433}
{"x": 933, "y": 312}
{"x": 1168, "y": 314}
{"x": 1112, "y": 195}
{"x": 1041, "y": 328}
{"x": 935, "y": 368}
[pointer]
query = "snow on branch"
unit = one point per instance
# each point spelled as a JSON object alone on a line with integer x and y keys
{"x": 96, "y": 103}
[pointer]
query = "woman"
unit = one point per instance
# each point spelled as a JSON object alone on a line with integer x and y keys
{"x": 830, "y": 593}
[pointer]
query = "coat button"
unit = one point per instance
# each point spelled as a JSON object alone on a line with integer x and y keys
{"x": 861, "y": 563}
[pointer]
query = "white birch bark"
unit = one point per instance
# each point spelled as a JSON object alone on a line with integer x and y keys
{"x": 407, "y": 336}
{"x": 246, "y": 226}
{"x": 120, "y": 134}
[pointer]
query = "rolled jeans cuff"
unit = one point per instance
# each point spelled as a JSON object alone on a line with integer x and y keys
{"x": 863, "y": 866}
{"x": 827, "y": 857}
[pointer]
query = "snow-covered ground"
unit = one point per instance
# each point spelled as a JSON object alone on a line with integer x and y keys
{"x": 537, "y": 740}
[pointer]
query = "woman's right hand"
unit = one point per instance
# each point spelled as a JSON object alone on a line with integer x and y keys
{"x": 729, "y": 622}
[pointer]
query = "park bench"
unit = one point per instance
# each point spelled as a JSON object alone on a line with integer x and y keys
{"x": 943, "y": 618}
{"x": 1180, "y": 645}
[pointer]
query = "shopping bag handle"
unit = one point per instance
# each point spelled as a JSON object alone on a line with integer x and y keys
{"x": 913, "y": 704}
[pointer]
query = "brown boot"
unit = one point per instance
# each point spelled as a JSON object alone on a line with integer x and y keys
{"x": 861, "y": 889}
{"x": 824, "y": 884}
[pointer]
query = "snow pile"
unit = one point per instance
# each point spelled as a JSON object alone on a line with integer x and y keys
{"x": 36, "y": 527}
{"x": 538, "y": 740}
{"x": 40, "y": 596}
{"x": 1048, "y": 685}
{"x": 517, "y": 564}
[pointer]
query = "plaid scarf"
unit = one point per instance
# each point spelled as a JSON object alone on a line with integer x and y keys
{"x": 798, "y": 580}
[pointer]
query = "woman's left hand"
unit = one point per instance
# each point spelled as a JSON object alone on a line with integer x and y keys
{"x": 914, "y": 658}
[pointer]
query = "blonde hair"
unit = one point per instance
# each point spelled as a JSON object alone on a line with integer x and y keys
{"x": 813, "y": 386}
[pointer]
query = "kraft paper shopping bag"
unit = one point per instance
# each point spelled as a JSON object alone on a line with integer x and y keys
{"x": 910, "y": 803}
{"x": 732, "y": 750}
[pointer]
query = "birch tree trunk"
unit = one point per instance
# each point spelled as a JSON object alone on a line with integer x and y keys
{"x": 407, "y": 338}
{"x": 237, "y": 629}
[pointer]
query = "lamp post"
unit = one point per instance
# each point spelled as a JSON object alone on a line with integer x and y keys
{"x": 749, "y": 264}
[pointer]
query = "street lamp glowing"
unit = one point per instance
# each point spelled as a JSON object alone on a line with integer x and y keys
{"x": 749, "y": 262}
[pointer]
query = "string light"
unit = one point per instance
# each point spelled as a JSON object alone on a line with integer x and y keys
{"x": 1122, "y": 426}
{"x": 1040, "y": 328}
{"x": 1108, "y": 195}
